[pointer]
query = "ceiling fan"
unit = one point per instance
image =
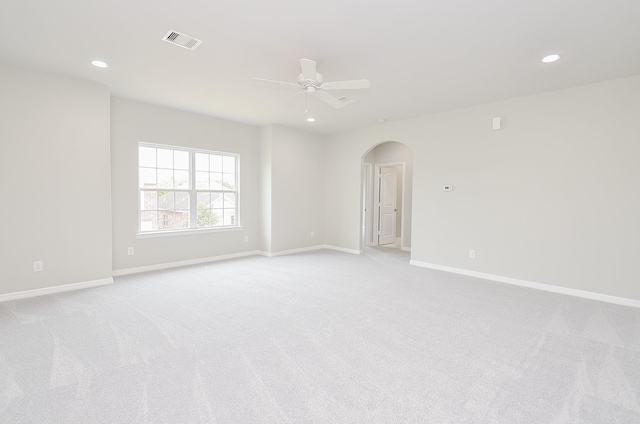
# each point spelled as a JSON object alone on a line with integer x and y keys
{"x": 311, "y": 82}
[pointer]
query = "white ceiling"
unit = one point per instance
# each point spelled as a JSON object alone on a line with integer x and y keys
{"x": 420, "y": 56}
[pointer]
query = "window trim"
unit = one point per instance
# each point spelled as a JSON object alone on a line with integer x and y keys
{"x": 193, "y": 193}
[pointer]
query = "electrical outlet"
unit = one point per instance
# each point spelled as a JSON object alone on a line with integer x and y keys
{"x": 130, "y": 251}
{"x": 313, "y": 234}
{"x": 246, "y": 239}
{"x": 37, "y": 266}
{"x": 472, "y": 254}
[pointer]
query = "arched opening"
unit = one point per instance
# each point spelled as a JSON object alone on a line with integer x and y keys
{"x": 386, "y": 196}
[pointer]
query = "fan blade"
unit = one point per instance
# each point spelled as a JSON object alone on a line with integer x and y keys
{"x": 278, "y": 84}
{"x": 328, "y": 98}
{"x": 308, "y": 69}
{"x": 347, "y": 85}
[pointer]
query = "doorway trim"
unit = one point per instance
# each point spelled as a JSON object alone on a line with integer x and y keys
{"x": 366, "y": 236}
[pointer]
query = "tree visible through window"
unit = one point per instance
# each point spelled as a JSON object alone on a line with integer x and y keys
{"x": 183, "y": 188}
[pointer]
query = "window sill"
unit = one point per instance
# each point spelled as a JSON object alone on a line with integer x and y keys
{"x": 152, "y": 234}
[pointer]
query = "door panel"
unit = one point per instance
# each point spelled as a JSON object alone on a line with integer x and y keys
{"x": 388, "y": 190}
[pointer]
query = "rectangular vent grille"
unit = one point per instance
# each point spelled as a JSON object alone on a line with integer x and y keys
{"x": 184, "y": 41}
{"x": 345, "y": 99}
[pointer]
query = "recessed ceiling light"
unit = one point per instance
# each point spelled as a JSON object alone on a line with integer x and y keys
{"x": 550, "y": 58}
{"x": 99, "y": 64}
{"x": 311, "y": 119}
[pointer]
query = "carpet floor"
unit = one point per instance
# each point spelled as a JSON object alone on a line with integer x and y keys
{"x": 319, "y": 337}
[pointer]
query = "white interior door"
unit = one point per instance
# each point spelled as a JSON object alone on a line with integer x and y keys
{"x": 388, "y": 209}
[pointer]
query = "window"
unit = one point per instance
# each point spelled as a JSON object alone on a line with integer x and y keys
{"x": 186, "y": 189}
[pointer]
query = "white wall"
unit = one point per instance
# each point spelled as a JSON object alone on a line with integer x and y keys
{"x": 297, "y": 187}
{"x": 551, "y": 198}
{"x": 55, "y": 191}
{"x": 133, "y": 122}
{"x": 265, "y": 159}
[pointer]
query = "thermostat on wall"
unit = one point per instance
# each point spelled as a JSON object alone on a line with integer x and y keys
{"x": 447, "y": 188}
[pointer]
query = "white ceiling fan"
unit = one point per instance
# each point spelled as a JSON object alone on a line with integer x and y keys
{"x": 311, "y": 82}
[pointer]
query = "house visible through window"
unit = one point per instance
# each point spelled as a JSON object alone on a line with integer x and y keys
{"x": 184, "y": 188}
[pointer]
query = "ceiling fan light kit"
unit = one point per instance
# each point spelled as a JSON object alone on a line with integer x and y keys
{"x": 312, "y": 82}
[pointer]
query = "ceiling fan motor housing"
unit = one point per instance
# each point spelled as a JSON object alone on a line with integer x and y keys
{"x": 310, "y": 83}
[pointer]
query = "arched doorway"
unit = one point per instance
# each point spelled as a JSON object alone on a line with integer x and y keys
{"x": 387, "y": 180}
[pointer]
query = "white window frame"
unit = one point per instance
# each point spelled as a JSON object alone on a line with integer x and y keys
{"x": 193, "y": 194}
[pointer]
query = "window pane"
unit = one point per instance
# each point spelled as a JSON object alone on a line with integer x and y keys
{"x": 229, "y": 217}
{"x": 216, "y": 200}
{"x": 147, "y": 156}
{"x": 181, "y": 219}
{"x": 181, "y": 159}
{"x": 202, "y": 162}
{"x": 215, "y": 181}
{"x": 204, "y": 200}
{"x": 148, "y": 221}
{"x": 204, "y": 217}
{"x": 147, "y": 177}
{"x": 165, "y": 200}
{"x": 165, "y": 220}
{"x": 202, "y": 180}
{"x": 229, "y": 181}
{"x": 181, "y": 200}
{"x": 165, "y": 158}
{"x": 216, "y": 217}
{"x": 229, "y": 164}
{"x": 215, "y": 163}
{"x": 229, "y": 200}
{"x": 165, "y": 178}
{"x": 149, "y": 200}
{"x": 181, "y": 179}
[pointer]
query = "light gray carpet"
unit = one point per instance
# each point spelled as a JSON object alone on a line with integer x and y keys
{"x": 321, "y": 337}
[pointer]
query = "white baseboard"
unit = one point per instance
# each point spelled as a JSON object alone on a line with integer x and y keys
{"x": 533, "y": 285}
{"x": 342, "y": 249}
{"x": 54, "y": 289}
{"x": 405, "y": 249}
{"x": 290, "y": 251}
{"x": 309, "y": 248}
{"x": 127, "y": 271}
{"x": 157, "y": 267}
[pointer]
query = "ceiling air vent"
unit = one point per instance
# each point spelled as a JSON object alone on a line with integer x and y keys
{"x": 181, "y": 40}
{"x": 346, "y": 100}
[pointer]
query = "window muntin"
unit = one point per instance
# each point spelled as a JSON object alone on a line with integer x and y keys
{"x": 181, "y": 189}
